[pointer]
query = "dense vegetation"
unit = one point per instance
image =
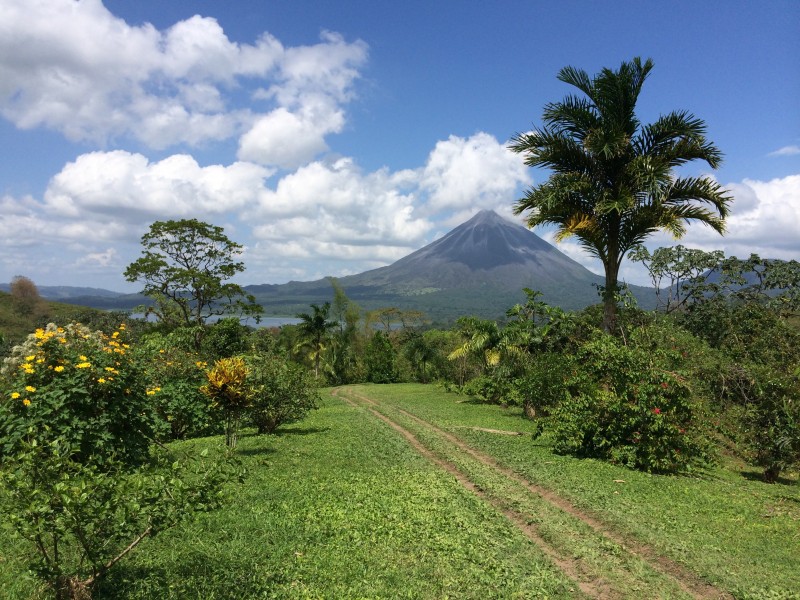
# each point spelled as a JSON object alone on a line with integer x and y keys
{"x": 111, "y": 431}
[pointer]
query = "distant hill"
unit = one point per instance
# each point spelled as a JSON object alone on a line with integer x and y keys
{"x": 478, "y": 268}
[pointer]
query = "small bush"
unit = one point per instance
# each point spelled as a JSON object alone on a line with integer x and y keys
{"x": 175, "y": 374}
{"x": 622, "y": 404}
{"x": 281, "y": 391}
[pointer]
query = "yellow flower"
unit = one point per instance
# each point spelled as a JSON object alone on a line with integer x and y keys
{"x": 83, "y": 365}
{"x": 14, "y": 395}
{"x": 39, "y": 334}
{"x": 83, "y": 358}
{"x": 110, "y": 369}
{"x": 30, "y": 388}
{"x": 115, "y": 334}
{"x": 101, "y": 380}
{"x": 59, "y": 368}
{"x": 30, "y": 358}
{"x": 26, "y": 402}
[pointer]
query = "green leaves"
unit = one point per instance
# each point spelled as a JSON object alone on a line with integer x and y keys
{"x": 613, "y": 183}
{"x": 184, "y": 267}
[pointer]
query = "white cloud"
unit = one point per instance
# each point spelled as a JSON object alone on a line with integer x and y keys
{"x": 76, "y": 68}
{"x": 121, "y": 183}
{"x": 106, "y": 258}
{"x": 474, "y": 172}
{"x": 786, "y": 151}
{"x": 339, "y": 212}
{"x": 287, "y": 139}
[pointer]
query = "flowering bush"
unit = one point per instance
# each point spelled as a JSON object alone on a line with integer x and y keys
{"x": 80, "y": 478}
{"x": 626, "y": 405}
{"x": 80, "y": 386}
{"x": 175, "y": 374}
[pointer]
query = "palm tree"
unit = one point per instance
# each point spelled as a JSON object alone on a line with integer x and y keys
{"x": 613, "y": 181}
{"x": 314, "y": 330}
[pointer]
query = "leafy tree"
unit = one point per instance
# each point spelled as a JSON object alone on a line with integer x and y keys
{"x": 314, "y": 329}
{"x": 381, "y": 359}
{"x": 185, "y": 267}
{"x": 674, "y": 269}
{"x": 345, "y": 340}
{"x": 613, "y": 181}
{"x": 24, "y": 295}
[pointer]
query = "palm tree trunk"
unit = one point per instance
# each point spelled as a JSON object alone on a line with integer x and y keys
{"x": 610, "y": 298}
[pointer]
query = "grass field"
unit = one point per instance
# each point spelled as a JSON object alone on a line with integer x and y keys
{"x": 405, "y": 491}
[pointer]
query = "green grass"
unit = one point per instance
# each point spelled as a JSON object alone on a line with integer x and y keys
{"x": 341, "y": 506}
{"x": 337, "y": 506}
{"x": 733, "y": 530}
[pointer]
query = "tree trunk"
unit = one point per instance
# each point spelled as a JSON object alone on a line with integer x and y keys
{"x": 771, "y": 474}
{"x": 610, "y": 298}
{"x": 529, "y": 409}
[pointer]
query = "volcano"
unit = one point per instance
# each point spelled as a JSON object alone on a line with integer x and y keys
{"x": 479, "y": 268}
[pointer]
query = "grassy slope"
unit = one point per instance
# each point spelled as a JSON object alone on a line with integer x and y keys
{"x": 732, "y": 529}
{"x": 339, "y": 506}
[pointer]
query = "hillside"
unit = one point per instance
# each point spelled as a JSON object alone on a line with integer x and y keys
{"x": 480, "y": 268}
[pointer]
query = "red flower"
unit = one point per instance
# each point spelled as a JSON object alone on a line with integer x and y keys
{"x": 664, "y": 385}
{"x": 657, "y": 411}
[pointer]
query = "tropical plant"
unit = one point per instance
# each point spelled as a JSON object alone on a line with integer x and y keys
{"x": 184, "y": 267}
{"x": 230, "y": 392}
{"x": 314, "y": 329}
{"x": 613, "y": 181}
{"x": 281, "y": 391}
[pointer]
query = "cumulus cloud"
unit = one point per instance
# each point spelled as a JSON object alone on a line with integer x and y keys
{"x": 786, "y": 151}
{"x": 119, "y": 183}
{"x": 340, "y": 212}
{"x": 471, "y": 172}
{"x": 75, "y": 68}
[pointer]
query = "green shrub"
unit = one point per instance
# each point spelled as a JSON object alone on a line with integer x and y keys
{"x": 622, "y": 404}
{"x": 80, "y": 386}
{"x": 79, "y": 475}
{"x": 175, "y": 374}
{"x": 281, "y": 391}
{"x": 81, "y": 518}
{"x": 544, "y": 383}
{"x": 380, "y": 359}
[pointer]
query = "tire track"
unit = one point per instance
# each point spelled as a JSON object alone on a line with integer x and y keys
{"x": 594, "y": 588}
{"x": 689, "y": 582}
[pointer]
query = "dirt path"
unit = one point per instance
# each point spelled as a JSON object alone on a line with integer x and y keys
{"x": 586, "y": 578}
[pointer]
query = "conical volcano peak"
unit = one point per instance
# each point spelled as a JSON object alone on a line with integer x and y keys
{"x": 486, "y": 241}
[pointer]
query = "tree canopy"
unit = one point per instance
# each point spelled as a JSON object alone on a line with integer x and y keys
{"x": 613, "y": 182}
{"x": 185, "y": 266}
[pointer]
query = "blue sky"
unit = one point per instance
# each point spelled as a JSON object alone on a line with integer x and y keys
{"x": 333, "y": 137}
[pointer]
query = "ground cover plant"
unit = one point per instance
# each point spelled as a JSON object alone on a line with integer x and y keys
{"x": 337, "y": 506}
{"x": 732, "y": 529}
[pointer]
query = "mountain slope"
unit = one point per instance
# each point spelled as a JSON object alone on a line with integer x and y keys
{"x": 479, "y": 268}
